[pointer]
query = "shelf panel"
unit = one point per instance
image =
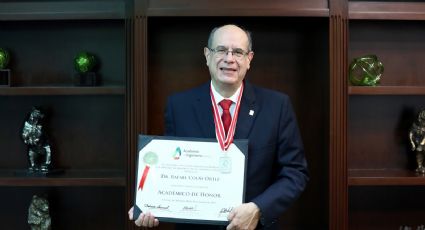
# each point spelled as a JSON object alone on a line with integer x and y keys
{"x": 71, "y": 10}
{"x": 377, "y": 177}
{"x": 67, "y": 178}
{"x": 386, "y": 90}
{"x": 236, "y": 8}
{"x": 62, "y": 90}
{"x": 387, "y": 10}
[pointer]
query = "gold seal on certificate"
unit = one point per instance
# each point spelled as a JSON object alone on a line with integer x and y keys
{"x": 189, "y": 180}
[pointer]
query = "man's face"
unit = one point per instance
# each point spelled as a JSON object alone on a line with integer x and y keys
{"x": 228, "y": 70}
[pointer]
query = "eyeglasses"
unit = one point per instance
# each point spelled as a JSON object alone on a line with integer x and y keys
{"x": 222, "y": 51}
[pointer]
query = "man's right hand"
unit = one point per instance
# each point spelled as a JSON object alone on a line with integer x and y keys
{"x": 145, "y": 219}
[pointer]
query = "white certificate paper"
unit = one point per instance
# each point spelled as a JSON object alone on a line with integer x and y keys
{"x": 188, "y": 180}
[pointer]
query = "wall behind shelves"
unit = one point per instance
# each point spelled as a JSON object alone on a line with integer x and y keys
{"x": 43, "y": 52}
{"x": 86, "y": 132}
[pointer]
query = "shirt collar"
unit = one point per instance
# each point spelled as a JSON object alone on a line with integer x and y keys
{"x": 219, "y": 98}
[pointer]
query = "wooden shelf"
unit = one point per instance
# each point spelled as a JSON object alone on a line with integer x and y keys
{"x": 62, "y": 90}
{"x": 382, "y": 177}
{"x": 387, "y": 10}
{"x": 64, "y": 10}
{"x": 386, "y": 90}
{"x": 67, "y": 178}
{"x": 236, "y": 8}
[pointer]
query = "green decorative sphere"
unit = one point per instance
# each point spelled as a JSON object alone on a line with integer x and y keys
{"x": 4, "y": 58}
{"x": 85, "y": 62}
{"x": 366, "y": 71}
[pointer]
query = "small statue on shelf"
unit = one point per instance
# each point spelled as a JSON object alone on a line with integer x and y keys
{"x": 34, "y": 136}
{"x": 38, "y": 214}
{"x": 417, "y": 140}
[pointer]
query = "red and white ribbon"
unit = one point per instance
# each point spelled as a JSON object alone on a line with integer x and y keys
{"x": 220, "y": 134}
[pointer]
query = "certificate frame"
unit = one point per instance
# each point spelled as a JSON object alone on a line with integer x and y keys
{"x": 144, "y": 140}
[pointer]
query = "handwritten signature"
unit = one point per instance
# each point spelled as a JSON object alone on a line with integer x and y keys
{"x": 157, "y": 207}
{"x": 189, "y": 208}
{"x": 226, "y": 210}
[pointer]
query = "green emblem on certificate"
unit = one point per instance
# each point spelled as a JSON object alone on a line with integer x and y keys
{"x": 150, "y": 158}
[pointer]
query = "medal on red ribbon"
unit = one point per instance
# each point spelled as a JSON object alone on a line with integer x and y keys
{"x": 220, "y": 134}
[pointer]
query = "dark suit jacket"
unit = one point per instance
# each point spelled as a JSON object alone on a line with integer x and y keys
{"x": 277, "y": 169}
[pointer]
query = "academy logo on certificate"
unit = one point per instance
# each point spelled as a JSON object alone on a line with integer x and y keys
{"x": 177, "y": 153}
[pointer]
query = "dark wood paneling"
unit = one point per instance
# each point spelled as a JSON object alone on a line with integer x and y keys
{"x": 379, "y": 177}
{"x": 387, "y": 10}
{"x": 63, "y": 10}
{"x": 64, "y": 90}
{"x": 338, "y": 194}
{"x": 235, "y": 8}
{"x": 380, "y": 117}
{"x": 63, "y": 178}
{"x": 378, "y": 131}
{"x": 386, "y": 90}
{"x": 387, "y": 207}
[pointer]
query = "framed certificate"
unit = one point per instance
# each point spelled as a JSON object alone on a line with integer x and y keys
{"x": 189, "y": 180}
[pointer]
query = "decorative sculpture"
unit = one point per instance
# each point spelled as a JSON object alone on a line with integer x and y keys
{"x": 417, "y": 140}
{"x": 366, "y": 71}
{"x": 4, "y": 58}
{"x": 85, "y": 63}
{"x": 5, "y": 79}
{"x": 38, "y": 214}
{"x": 34, "y": 136}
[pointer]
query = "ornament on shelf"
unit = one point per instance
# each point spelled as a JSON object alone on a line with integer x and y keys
{"x": 417, "y": 140}
{"x": 4, "y": 72}
{"x": 35, "y": 137}
{"x": 366, "y": 71}
{"x": 38, "y": 214}
{"x": 86, "y": 63}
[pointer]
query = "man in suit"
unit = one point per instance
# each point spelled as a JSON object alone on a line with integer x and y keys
{"x": 277, "y": 169}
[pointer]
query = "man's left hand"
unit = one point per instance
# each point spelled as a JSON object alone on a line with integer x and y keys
{"x": 245, "y": 216}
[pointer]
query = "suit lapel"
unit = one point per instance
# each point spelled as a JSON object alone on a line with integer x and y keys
{"x": 247, "y": 112}
{"x": 204, "y": 113}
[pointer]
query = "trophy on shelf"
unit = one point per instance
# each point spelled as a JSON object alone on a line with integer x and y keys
{"x": 366, "y": 71}
{"x": 35, "y": 137}
{"x": 85, "y": 63}
{"x": 38, "y": 214}
{"x": 417, "y": 140}
{"x": 4, "y": 72}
